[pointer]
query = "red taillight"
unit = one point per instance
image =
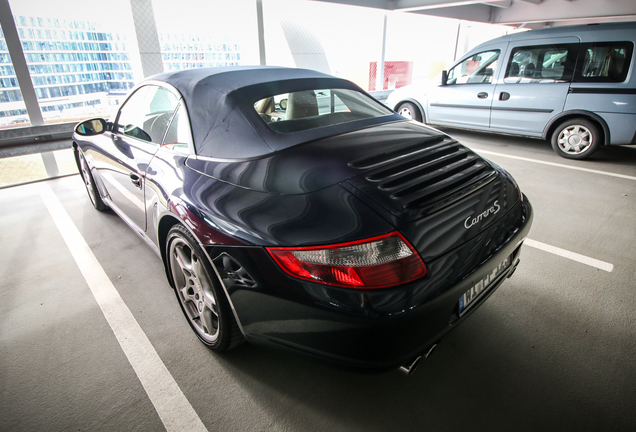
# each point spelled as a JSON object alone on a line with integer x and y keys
{"x": 377, "y": 262}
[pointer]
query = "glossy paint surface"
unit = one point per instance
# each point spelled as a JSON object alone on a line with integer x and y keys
{"x": 461, "y": 214}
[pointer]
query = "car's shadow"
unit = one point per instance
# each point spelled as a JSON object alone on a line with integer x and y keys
{"x": 485, "y": 376}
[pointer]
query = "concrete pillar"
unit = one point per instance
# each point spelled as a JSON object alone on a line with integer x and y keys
{"x": 147, "y": 37}
{"x": 380, "y": 77}
{"x": 19, "y": 64}
{"x": 261, "y": 31}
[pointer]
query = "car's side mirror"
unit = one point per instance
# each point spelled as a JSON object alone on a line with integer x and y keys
{"x": 444, "y": 77}
{"x": 91, "y": 127}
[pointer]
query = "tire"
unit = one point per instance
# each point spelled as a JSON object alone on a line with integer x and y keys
{"x": 576, "y": 139}
{"x": 199, "y": 291}
{"x": 89, "y": 182}
{"x": 409, "y": 111}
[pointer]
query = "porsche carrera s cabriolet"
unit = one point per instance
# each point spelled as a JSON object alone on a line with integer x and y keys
{"x": 292, "y": 209}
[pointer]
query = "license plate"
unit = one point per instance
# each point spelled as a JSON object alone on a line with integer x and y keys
{"x": 481, "y": 286}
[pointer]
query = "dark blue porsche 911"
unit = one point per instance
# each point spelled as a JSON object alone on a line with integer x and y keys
{"x": 292, "y": 209}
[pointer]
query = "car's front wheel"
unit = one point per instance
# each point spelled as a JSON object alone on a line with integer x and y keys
{"x": 576, "y": 138}
{"x": 199, "y": 292}
{"x": 409, "y": 110}
{"x": 89, "y": 181}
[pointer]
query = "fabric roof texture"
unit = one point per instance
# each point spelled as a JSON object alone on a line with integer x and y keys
{"x": 220, "y": 102}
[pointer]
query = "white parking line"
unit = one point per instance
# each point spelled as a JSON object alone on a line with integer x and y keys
{"x": 605, "y": 173}
{"x": 173, "y": 407}
{"x": 570, "y": 255}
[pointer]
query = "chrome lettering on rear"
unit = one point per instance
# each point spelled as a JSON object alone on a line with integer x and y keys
{"x": 469, "y": 222}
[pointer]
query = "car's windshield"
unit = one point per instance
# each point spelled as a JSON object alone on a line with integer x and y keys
{"x": 309, "y": 109}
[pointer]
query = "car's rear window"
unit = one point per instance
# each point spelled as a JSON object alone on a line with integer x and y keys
{"x": 310, "y": 109}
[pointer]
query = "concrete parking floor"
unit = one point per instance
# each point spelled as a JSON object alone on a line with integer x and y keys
{"x": 553, "y": 349}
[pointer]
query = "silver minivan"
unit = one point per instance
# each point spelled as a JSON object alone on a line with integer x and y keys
{"x": 574, "y": 86}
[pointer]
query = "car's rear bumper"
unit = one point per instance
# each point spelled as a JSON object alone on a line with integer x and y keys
{"x": 368, "y": 329}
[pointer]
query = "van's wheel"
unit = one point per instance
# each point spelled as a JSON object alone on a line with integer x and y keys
{"x": 576, "y": 138}
{"x": 409, "y": 110}
{"x": 200, "y": 294}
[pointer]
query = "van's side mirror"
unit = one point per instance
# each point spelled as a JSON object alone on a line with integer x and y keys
{"x": 444, "y": 77}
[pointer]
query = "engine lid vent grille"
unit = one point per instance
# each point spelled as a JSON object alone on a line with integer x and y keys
{"x": 420, "y": 179}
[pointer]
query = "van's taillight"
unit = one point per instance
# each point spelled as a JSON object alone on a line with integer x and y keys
{"x": 376, "y": 262}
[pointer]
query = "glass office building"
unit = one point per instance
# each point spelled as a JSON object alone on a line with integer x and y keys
{"x": 187, "y": 51}
{"x": 78, "y": 70}
{"x": 74, "y": 66}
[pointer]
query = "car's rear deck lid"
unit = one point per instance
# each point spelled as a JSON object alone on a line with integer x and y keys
{"x": 414, "y": 181}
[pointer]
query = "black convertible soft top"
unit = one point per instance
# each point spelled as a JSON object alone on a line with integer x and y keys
{"x": 220, "y": 102}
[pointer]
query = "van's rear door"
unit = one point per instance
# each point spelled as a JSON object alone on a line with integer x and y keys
{"x": 535, "y": 84}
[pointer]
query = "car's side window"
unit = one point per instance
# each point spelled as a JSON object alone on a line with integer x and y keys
{"x": 477, "y": 69}
{"x": 604, "y": 62}
{"x": 147, "y": 113}
{"x": 179, "y": 135}
{"x": 541, "y": 64}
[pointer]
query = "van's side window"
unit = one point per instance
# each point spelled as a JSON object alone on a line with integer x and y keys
{"x": 604, "y": 62}
{"x": 477, "y": 69}
{"x": 541, "y": 64}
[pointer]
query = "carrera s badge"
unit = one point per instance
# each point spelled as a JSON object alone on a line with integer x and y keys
{"x": 470, "y": 221}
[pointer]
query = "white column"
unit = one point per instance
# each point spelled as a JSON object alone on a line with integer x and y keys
{"x": 19, "y": 64}
{"x": 261, "y": 31}
{"x": 147, "y": 37}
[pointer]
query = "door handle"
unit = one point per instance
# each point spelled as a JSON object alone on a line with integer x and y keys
{"x": 504, "y": 96}
{"x": 482, "y": 95}
{"x": 135, "y": 179}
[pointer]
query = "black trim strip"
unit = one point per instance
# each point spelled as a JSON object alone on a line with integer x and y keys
{"x": 537, "y": 110}
{"x": 601, "y": 90}
{"x": 460, "y": 106}
{"x": 534, "y": 110}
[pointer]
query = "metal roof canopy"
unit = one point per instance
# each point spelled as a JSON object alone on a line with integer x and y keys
{"x": 519, "y": 13}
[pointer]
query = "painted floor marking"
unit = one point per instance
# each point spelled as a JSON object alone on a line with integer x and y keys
{"x": 173, "y": 407}
{"x": 570, "y": 255}
{"x": 605, "y": 173}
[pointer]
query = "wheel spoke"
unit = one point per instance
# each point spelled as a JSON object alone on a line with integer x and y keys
{"x": 209, "y": 321}
{"x": 188, "y": 297}
{"x": 200, "y": 274}
{"x": 563, "y": 143}
{"x": 184, "y": 260}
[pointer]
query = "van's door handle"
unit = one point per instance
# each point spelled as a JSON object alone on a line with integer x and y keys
{"x": 504, "y": 96}
{"x": 482, "y": 95}
{"x": 135, "y": 179}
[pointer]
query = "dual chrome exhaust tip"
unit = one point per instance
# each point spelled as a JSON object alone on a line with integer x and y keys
{"x": 410, "y": 367}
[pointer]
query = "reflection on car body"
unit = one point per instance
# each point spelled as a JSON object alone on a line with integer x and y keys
{"x": 293, "y": 210}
